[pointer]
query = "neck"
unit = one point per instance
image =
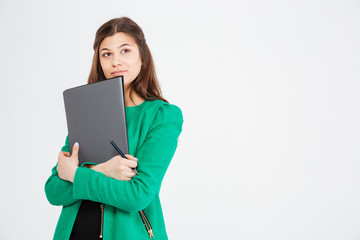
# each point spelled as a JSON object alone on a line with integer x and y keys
{"x": 134, "y": 100}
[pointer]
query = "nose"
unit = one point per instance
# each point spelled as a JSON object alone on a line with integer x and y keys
{"x": 116, "y": 61}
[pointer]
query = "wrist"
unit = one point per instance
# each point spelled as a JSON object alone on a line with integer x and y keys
{"x": 73, "y": 172}
{"x": 98, "y": 168}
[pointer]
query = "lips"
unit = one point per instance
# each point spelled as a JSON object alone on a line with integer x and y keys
{"x": 118, "y": 73}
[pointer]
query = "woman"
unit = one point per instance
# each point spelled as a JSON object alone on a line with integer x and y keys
{"x": 109, "y": 201}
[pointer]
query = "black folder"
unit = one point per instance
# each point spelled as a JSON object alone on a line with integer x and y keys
{"x": 95, "y": 115}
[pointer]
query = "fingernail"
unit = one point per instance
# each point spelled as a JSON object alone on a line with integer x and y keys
{"x": 76, "y": 144}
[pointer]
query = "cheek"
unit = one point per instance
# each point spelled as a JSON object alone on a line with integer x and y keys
{"x": 136, "y": 61}
{"x": 137, "y": 65}
{"x": 101, "y": 65}
{"x": 104, "y": 67}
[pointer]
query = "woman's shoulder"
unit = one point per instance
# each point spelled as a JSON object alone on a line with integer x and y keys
{"x": 163, "y": 109}
{"x": 165, "y": 116}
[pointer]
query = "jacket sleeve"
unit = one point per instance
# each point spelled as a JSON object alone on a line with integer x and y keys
{"x": 154, "y": 157}
{"x": 59, "y": 192}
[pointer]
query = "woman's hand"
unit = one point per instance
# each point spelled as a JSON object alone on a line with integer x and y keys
{"x": 118, "y": 167}
{"x": 67, "y": 164}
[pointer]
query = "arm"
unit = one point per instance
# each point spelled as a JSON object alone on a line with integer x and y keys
{"x": 59, "y": 186}
{"x": 154, "y": 158}
{"x": 58, "y": 191}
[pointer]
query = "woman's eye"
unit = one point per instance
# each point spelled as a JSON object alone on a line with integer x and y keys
{"x": 106, "y": 54}
{"x": 125, "y": 50}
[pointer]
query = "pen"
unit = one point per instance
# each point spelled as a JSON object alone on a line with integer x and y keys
{"x": 121, "y": 153}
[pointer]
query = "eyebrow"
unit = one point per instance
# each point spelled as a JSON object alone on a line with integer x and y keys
{"x": 122, "y": 45}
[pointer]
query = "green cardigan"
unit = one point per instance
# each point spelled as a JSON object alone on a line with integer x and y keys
{"x": 153, "y": 131}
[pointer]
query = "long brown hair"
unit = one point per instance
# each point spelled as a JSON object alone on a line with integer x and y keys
{"x": 146, "y": 84}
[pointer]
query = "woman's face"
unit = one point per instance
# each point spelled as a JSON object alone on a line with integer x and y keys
{"x": 119, "y": 55}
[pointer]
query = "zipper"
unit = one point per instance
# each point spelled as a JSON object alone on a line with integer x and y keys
{"x": 144, "y": 219}
{"x": 102, "y": 207}
{"x": 147, "y": 224}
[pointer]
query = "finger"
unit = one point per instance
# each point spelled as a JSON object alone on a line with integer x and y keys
{"x": 131, "y": 157}
{"x": 62, "y": 153}
{"x": 75, "y": 150}
{"x": 67, "y": 154}
{"x": 130, "y": 174}
{"x": 131, "y": 163}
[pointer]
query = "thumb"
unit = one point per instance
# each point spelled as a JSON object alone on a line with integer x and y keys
{"x": 75, "y": 150}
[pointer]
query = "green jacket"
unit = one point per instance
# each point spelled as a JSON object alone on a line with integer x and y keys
{"x": 153, "y": 130}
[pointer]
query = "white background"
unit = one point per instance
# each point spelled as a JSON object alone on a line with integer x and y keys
{"x": 270, "y": 97}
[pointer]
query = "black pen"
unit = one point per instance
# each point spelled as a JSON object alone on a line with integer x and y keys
{"x": 121, "y": 153}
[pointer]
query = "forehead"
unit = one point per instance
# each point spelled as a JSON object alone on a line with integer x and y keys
{"x": 116, "y": 40}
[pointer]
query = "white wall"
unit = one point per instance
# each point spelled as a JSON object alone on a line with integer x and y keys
{"x": 270, "y": 96}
